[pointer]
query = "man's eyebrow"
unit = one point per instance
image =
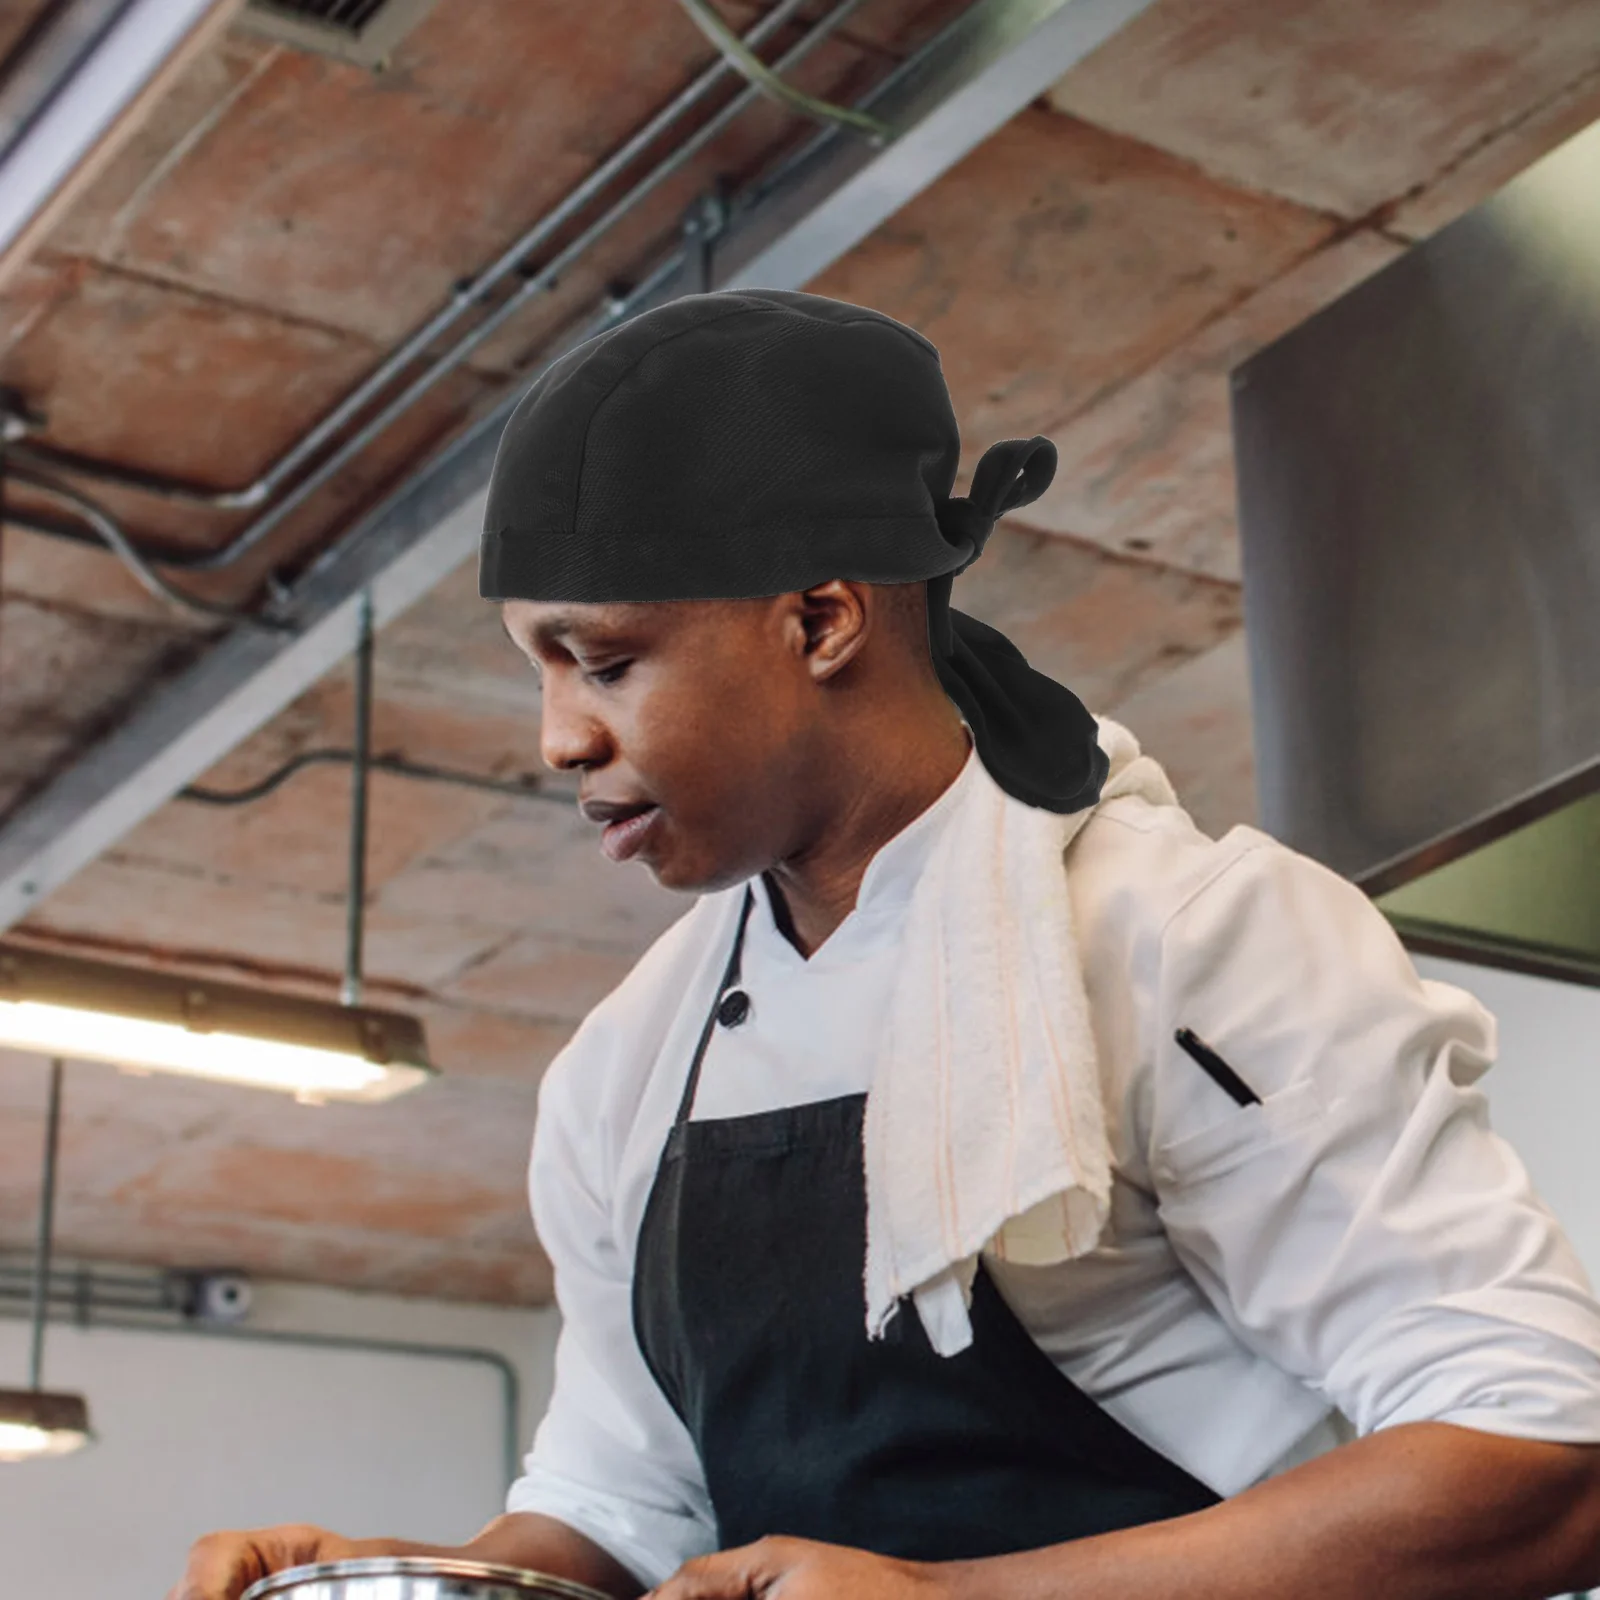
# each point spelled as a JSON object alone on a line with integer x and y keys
{"x": 505, "y": 628}
{"x": 547, "y": 632}
{"x": 562, "y": 626}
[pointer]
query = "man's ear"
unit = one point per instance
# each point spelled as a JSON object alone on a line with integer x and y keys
{"x": 837, "y": 616}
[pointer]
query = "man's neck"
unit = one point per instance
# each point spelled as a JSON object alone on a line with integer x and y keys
{"x": 814, "y": 892}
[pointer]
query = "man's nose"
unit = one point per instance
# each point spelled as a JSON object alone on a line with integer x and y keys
{"x": 568, "y": 736}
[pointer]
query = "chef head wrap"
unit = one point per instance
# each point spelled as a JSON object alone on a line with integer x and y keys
{"x": 760, "y": 442}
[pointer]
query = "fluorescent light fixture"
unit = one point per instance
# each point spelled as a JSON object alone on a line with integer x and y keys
{"x": 34, "y": 1423}
{"x": 157, "y": 1022}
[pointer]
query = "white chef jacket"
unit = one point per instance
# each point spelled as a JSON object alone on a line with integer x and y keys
{"x": 1358, "y": 1251}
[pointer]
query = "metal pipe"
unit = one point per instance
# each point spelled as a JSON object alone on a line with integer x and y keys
{"x": 110, "y": 1294}
{"x": 746, "y": 62}
{"x": 510, "y": 1383}
{"x": 356, "y": 905}
{"x": 110, "y": 534}
{"x": 47, "y": 1218}
{"x": 252, "y": 535}
{"x": 769, "y": 182}
{"x": 249, "y": 537}
{"x": 395, "y": 766}
{"x": 110, "y": 1302}
{"x": 467, "y": 294}
{"x": 63, "y": 528}
{"x": 15, "y": 1280}
{"x": 661, "y": 275}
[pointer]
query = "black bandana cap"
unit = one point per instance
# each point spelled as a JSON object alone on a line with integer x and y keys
{"x": 759, "y": 442}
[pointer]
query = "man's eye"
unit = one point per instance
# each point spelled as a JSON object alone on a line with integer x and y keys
{"x": 611, "y": 674}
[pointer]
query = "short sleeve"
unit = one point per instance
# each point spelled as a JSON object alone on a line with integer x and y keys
{"x": 1363, "y": 1226}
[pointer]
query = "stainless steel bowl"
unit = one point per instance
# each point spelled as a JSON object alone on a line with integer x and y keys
{"x": 414, "y": 1578}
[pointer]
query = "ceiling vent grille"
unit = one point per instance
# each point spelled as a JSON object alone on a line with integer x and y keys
{"x": 360, "y": 31}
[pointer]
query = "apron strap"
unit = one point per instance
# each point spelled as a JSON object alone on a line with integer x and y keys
{"x": 729, "y": 977}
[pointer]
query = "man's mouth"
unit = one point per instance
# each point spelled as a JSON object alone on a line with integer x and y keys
{"x": 625, "y": 825}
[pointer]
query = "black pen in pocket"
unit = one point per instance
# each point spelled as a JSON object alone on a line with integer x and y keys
{"x": 1216, "y": 1068}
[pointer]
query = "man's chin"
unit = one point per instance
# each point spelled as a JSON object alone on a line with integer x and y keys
{"x": 684, "y": 874}
{"x": 673, "y": 876}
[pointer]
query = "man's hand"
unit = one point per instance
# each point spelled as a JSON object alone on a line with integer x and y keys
{"x": 799, "y": 1569}
{"x": 223, "y": 1565}
{"x": 1425, "y": 1511}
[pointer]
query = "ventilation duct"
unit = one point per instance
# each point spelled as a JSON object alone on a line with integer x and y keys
{"x": 1419, "y": 483}
{"x": 359, "y": 31}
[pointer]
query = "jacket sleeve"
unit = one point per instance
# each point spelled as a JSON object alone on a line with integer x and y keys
{"x": 610, "y": 1459}
{"x": 1362, "y": 1227}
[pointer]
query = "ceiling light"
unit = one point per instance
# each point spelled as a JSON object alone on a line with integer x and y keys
{"x": 34, "y": 1424}
{"x": 156, "y": 1022}
{"x": 146, "y": 1021}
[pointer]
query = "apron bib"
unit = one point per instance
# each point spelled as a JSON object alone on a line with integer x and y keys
{"x": 748, "y": 1308}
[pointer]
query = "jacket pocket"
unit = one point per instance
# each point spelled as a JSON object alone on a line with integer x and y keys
{"x": 1210, "y": 1152}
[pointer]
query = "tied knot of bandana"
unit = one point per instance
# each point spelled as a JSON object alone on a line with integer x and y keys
{"x": 1013, "y": 473}
{"x": 1034, "y": 735}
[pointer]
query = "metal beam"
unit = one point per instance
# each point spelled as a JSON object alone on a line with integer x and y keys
{"x": 408, "y": 547}
{"x": 85, "y": 78}
{"x": 994, "y": 60}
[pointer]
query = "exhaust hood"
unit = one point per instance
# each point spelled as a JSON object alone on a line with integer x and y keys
{"x": 1419, "y": 488}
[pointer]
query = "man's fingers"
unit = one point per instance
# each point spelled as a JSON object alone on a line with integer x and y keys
{"x": 713, "y": 1578}
{"x": 742, "y": 1574}
{"x": 222, "y": 1566}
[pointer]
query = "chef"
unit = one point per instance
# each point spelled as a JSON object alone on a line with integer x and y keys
{"x": 991, "y": 1186}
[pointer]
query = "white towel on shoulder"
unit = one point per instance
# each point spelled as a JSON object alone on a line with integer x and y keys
{"x": 985, "y": 1130}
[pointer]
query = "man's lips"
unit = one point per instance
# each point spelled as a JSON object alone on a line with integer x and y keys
{"x": 625, "y": 825}
{"x": 613, "y": 810}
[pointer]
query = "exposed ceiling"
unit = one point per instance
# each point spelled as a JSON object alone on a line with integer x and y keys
{"x": 1201, "y": 183}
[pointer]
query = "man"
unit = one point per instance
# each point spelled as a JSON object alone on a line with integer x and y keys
{"x": 992, "y": 1186}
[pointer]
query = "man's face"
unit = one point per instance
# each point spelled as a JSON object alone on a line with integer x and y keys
{"x": 699, "y": 716}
